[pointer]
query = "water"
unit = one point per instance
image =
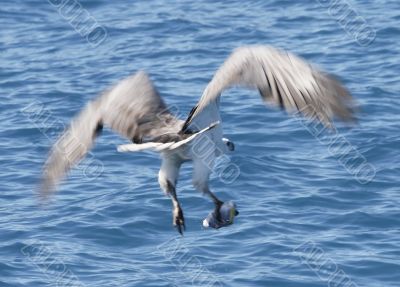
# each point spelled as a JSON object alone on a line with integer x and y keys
{"x": 306, "y": 217}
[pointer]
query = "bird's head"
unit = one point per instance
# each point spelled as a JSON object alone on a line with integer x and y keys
{"x": 229, "y": 145}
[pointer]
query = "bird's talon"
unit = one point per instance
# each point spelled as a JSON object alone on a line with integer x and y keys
{"x": 179, "y": 221}
{"x": 217, "y": 211}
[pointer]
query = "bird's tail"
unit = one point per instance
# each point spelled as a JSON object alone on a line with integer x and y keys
{"x": 159, "y": 147}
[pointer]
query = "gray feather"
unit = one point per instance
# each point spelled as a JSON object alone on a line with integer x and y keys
{"x": 282, "y": 79}
{"x": 133, "y": 108}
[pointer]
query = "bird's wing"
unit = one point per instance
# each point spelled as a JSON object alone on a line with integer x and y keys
{"x": 282, "y": 79}
{"x": 133, "y": 108}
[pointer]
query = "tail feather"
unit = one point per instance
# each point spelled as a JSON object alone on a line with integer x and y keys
{"x": 159, "y": 147}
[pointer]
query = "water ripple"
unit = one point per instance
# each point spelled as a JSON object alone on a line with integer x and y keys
{"x": 294, "y": 195}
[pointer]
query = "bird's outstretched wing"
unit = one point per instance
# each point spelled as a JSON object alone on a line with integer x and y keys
{"x": 133, "y": 108}
{"x": 282, "y": 79}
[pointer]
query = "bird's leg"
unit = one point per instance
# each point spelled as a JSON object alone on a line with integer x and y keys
{"x": 178, "y": 219}
{"x": 201, "y": 173}
{"x": 168, "y": 178}
{"x": 218, "y": 203}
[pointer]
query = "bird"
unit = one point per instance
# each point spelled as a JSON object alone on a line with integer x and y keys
{"x": 134, "y": 108}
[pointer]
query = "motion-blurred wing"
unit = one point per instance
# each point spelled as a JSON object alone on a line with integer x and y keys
{"x": 133, "y": 108}
{"x": 282, "y": 79}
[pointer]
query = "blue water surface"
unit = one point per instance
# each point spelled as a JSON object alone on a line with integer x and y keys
{"x": 316, "y": 208}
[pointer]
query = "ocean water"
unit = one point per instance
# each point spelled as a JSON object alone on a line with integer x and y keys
{"x": 316, "y": 208}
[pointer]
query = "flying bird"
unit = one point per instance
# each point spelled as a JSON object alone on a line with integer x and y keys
{"x": 134, "y": 109}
